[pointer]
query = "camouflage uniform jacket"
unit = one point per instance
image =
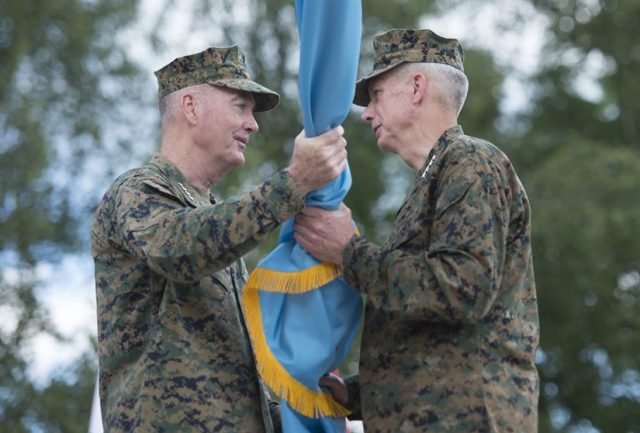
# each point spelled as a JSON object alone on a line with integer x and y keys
{"x": 173, "y": 351}
{"x": 451, "y": 322}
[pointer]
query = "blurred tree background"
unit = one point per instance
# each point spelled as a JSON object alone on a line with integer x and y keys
{"x": 77, "y": 107}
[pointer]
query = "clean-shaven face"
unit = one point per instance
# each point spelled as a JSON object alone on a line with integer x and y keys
{"x": 387, "y": 111}
{"x": 228, "y": 123}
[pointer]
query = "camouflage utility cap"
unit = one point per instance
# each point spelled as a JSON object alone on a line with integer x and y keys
{"x": 397, "y": 47}
{"x": 222, "y": 67}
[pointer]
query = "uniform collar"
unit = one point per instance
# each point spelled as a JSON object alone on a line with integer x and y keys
{"x": 191, "y": 193}
{"x": 437, "y": 150}
{"x": 167, "y": 168}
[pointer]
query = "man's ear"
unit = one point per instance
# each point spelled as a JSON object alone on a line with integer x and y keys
{"x": 419, "y": 85}
{"x": 189, "y": 105}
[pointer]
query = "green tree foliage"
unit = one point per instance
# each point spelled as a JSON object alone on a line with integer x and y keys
{"x": 587, "y": 227}
{"x": 60, "y": 73}
{"x": 580, "y": 159}
{"x": 63, "y": 405}
{"x": 17, "y": 391}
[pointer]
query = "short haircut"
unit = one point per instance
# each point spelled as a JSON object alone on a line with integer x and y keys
{"x": 169, "y": 104}
{"x": 451, "y": 85}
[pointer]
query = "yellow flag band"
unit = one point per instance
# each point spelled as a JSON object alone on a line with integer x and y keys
{"x": 312, "y": 404}
{"x": 293, "y": 282}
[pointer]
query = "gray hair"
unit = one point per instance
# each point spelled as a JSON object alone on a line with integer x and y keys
{"x": 169, "y": 104}
{"x": 451, "y": 85}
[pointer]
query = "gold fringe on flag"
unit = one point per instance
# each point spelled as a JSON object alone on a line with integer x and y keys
{"x": 312, "y": 404}
{"x": 292, "y": 283}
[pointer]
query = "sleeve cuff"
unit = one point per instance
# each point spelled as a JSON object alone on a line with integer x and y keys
{"x": 281, "y": 196}
{"x": 361, "y": 263}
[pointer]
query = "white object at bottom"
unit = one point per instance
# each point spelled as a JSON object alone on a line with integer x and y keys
{"x": 356, "y": 427}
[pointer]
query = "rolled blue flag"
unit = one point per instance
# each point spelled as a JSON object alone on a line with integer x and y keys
{"x": 301, "y": 315}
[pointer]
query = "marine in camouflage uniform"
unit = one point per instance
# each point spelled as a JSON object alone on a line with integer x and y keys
{"x": 174, "y": 355}
{"x": 451, "y": 321}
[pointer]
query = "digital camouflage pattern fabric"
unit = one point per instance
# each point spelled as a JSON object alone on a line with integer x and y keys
{"x": 173, "y": 350}
{"x": 397, "y": 47}
{"x": 451, "y": 323}
{"x": 223, "y": 67}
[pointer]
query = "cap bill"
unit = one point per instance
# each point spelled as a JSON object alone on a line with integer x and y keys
{"x": 266, "y": 99}
{"x": 361, "y": 96}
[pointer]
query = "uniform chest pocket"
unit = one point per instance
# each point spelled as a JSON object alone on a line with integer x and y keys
{"x": 413, "y": 223}
{"x": 222, "y": 279}
{"x": 231, "y": 278}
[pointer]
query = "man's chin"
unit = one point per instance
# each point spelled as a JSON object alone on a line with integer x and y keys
{"x": 240, "y": 158}
{"x": 382, "y": 145}
{"x": 236, "y": 163}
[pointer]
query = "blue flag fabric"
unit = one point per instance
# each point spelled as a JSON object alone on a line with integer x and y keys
{"x": 301, "y": 314}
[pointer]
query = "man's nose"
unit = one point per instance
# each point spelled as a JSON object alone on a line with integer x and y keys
{"x": 367, "y": 116}
{"x": 251, "y": 124}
